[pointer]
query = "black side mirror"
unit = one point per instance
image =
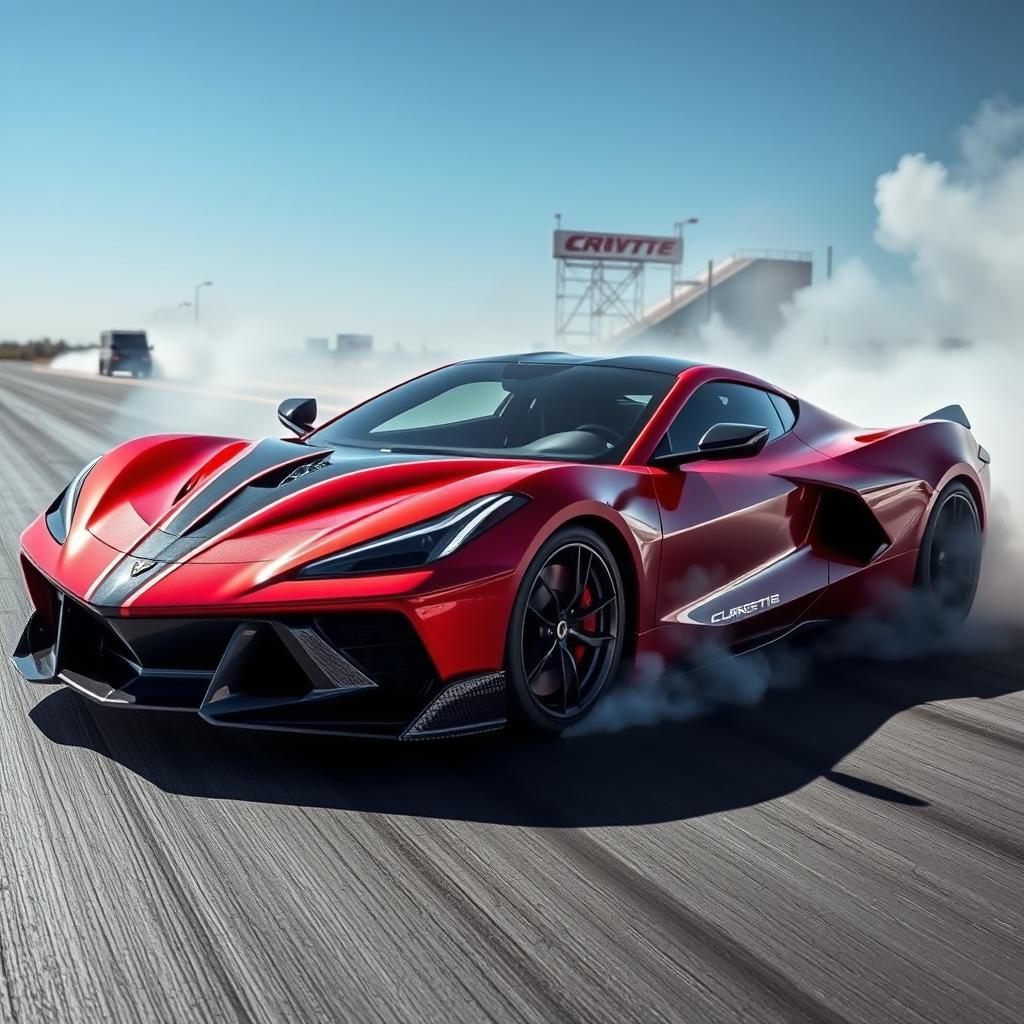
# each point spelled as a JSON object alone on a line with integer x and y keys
{"x": 722, "y": 441}
{"x": 297, "y": 414}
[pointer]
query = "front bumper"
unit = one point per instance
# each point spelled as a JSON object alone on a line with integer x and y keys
{"x": 358, "y": 673}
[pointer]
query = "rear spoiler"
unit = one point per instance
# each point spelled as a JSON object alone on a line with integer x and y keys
{"x": 953, "y": 413}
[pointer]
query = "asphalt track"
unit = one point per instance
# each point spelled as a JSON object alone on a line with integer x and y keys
{"x": 849, "y": 850}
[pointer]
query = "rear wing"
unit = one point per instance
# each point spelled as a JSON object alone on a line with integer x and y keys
{"x": 953, "y": 413}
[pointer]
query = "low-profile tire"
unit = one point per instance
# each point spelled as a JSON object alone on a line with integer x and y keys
{"x": 949, "y": 561}
{"x": 566, "y": 633}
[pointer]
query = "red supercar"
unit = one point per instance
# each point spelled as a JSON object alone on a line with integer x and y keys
{"x": 498, "y": 539}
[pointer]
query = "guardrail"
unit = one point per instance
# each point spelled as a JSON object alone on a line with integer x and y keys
{"x": 796, "y": 255}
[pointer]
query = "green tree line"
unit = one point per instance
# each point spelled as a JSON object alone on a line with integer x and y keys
{"x": 36, "y": 348}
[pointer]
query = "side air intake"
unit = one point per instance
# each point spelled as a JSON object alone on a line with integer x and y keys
{"x": 847, "y": 527}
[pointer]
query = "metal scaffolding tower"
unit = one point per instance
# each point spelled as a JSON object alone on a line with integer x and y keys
{"x": 600, "y": 277}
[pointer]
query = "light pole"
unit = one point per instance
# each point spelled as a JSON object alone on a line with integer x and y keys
{"x": 195, "y": 305}
{"x": 677, "y": 268}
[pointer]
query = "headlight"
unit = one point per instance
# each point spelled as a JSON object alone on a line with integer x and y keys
{"x": 62, "y": 511}
{"x": 417, "y": 545}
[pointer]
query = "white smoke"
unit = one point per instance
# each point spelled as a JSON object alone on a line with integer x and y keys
{"x": 227, "y": 377}
{"x": 881, "y": 354}
{"x": 76, "y": 361}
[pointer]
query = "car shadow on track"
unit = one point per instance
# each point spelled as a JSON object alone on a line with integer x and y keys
{"x": 659, "y": 773}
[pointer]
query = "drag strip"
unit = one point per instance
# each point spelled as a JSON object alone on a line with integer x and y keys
{"x": 849, "y": 850}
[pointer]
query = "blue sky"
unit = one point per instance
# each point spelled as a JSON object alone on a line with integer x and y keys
{"x": 394, "y": 167}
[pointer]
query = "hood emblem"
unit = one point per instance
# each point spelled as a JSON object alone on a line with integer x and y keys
{"x": 141, "y": 565}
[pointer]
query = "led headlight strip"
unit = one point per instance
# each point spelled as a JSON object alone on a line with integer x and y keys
{"x": 420, "y": 544}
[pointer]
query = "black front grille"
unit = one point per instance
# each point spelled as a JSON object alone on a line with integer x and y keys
{"x": 89, "y": 647}
{"x": 178, "y": 644}
{"x": 385, "y": 646}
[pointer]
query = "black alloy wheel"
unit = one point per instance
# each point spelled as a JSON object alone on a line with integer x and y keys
{"x": 949, "y": 563}
{"x": 567, "y": 630}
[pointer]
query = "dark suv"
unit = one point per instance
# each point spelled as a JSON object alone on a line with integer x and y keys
{"x": 125, "y": 352}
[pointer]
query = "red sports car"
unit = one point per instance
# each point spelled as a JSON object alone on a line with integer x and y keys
{"x": 497, "y": 539}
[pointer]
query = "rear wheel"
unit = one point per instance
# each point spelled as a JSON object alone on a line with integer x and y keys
{"x": 949, "y": 563}
{"x": 566, "y": 632}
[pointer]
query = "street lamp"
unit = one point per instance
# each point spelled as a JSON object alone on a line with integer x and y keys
{"x": 677, "y": 268}
{"x": 195, "y": 305}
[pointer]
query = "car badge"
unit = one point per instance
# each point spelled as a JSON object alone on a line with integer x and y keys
{"x": 141, "y": 565}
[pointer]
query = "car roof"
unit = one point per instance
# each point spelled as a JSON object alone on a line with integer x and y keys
{"x": 628, "y": 361}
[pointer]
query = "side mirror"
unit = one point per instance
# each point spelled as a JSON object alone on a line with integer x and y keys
{"x": 297, "y": 414}
{"x": 722, "y": 441}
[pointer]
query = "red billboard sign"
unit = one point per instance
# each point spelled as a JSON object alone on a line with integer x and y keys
{"x": 597, "y": 245}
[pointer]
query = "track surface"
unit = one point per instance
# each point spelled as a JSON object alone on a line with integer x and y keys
{"x": 851, "y": 850}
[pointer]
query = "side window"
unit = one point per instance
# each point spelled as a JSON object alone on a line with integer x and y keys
{"x": 722, "y": 402}
{"x": 785, "y": 410}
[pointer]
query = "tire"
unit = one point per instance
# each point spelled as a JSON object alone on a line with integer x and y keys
{"x": 949, "y": 561}
{"x": 103, "y": 369}
{"x": 565, "y": 637}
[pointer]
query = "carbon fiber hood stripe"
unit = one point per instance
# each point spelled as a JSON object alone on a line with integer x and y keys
{"x": 257, "y": 480}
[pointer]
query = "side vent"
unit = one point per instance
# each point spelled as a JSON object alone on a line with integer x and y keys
{"x": 847, "y": 528}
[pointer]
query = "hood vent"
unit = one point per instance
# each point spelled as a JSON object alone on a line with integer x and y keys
{"x": 305, "y": 469}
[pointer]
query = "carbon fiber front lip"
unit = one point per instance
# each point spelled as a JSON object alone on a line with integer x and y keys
{"x": 472, "y": 705}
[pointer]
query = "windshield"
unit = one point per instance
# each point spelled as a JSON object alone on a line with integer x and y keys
{"x": 125, "y": 341}
{"x": 516, "y": 410}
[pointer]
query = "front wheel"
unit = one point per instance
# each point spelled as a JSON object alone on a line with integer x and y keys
{"x": 949, "y": 562}
{"x": 567, "y": 631}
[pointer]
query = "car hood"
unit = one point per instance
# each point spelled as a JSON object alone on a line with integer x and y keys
{"x": 207, "y": 499}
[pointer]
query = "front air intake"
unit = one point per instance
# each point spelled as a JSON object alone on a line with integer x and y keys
{"x": 385, "y": 646}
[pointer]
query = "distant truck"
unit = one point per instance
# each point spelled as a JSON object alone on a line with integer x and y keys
{"x": 125, "y": 352}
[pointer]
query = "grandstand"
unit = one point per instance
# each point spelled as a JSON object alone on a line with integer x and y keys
{"x": 747, "y": 291}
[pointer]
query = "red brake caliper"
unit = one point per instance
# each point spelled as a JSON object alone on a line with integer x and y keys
{"x": 587, "y": 625}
